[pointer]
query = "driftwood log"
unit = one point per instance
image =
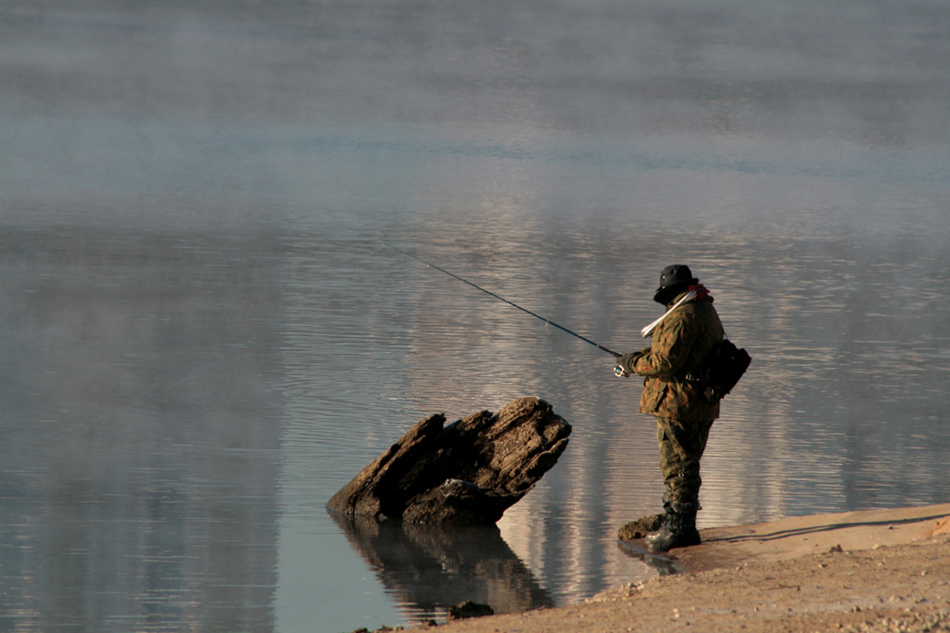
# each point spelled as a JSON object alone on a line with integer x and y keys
{"x": 469, "y": 472}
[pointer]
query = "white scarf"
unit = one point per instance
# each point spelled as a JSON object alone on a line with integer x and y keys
{"x": 648, "y": 330}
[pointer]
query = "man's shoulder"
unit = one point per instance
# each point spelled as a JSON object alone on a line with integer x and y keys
{"x": 694, "y": 312}
{"x": 679, "y": 319}
{"x": 693, "y": 309}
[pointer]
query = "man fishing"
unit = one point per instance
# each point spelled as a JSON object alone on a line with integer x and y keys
{"x": 682, "y": 339}
{"x": 684, "y": 400}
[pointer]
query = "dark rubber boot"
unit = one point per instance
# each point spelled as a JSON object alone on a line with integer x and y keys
{"x": 678, "y": 530}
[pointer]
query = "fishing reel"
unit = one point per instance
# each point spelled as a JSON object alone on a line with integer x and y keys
{"x": 627, "y": 360}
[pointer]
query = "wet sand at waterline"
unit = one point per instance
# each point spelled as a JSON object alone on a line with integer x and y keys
{"x": 879, "y": 570}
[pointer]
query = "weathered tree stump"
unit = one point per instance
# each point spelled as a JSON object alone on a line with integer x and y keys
{"x": 469, "y": 472}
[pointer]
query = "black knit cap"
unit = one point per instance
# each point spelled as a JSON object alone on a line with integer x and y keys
{"x": 676, "y": 274}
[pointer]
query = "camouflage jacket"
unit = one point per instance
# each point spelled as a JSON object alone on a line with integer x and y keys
{"x": 680, "y": 343}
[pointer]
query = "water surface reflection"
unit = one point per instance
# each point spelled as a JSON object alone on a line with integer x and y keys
{"x": 429, "y": 568}
{"x": 129, "y": 503}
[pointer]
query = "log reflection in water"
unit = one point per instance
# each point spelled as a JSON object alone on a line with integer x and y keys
{"x": 432, "y": 567}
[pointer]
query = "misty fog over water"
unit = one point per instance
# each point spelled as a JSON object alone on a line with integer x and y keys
{"x": 205, "y": 336}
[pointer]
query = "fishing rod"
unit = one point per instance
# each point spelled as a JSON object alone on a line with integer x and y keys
{"x": 515, "y": 305}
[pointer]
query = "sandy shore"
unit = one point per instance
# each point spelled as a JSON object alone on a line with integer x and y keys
{"x": 886, "y": 570}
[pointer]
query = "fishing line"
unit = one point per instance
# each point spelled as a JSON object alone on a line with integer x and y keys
{"x": 512, "y": 304}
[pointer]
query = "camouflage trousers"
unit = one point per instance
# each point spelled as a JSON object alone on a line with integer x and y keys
{"x": 681, "y": 447}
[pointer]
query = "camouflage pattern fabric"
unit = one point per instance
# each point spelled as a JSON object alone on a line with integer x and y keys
{"x": 683, "y": 417}
{"x": 681, "y": 447}
{"x": 680, "y": 343}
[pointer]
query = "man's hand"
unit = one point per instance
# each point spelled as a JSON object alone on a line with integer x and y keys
{"x": 626, "y": 364}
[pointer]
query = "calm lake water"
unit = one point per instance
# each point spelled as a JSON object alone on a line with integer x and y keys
{"x": 205, "y": 336}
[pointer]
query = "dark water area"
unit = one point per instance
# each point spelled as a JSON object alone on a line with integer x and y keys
{"x": 205, "y": 336}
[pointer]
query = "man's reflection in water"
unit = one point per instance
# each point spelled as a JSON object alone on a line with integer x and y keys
{"x": 430, "y": 567}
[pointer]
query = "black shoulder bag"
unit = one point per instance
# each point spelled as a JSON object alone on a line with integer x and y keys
{"x": 721, "y": 370}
